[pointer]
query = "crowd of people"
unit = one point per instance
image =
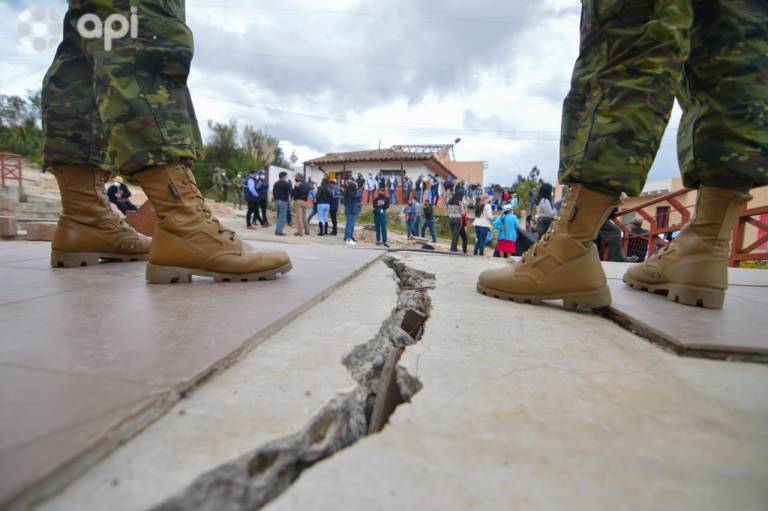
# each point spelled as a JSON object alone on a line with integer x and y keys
{"x": 499, "y": 215}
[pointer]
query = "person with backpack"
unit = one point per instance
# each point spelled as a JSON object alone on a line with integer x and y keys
{"x": 507, "y": 225}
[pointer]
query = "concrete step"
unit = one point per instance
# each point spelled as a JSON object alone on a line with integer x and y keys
{"x": 37, "y": 207}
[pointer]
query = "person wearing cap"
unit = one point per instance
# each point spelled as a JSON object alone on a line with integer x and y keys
{"x": 483, "y": 221}
{"x": 507, "y": 225}
{"x": 120, "y": 195}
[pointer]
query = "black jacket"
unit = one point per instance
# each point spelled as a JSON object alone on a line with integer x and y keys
{"x": 282, "y": 190}
{"x": 381, "y": 202}
{"x": 429, "y": 213}
{"x": 324, "y": 195}
{"x": 301, "y": 191}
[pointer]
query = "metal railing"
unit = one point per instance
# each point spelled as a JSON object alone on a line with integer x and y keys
{"x": 11, "y": 168}
{"x": 655, "y": 238}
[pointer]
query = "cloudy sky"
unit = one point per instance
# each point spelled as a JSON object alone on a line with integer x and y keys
{"x": 343, "y": 75}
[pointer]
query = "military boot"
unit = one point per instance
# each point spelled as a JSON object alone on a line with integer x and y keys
{"x": 693, "y": 269}
{"x": 564, "y": 264}
{"x": 189, "y": 240}
{"x": 89, "y": 230}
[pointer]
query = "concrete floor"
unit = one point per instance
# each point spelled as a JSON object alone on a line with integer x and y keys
{"x": 523, "y": 407}
{"x": 528, "y": 407}
{"x": 91, "y": 355}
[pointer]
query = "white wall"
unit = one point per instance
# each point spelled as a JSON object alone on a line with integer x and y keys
{"x": 412, "y": 169}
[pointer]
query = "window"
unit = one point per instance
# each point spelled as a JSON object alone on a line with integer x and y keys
{"x": 662, "y": 216}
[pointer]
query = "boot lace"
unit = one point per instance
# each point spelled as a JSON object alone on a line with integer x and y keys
{"x": 209, "y": 216}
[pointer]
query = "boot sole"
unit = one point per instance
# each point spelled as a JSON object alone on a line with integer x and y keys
{"x": 598, "y": 299}
{"x": 175, "y": 275}
{"x": 78, "y": 259}
{"x": 694, "y": 296}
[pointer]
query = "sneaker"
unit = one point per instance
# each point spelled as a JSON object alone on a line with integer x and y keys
{"x": 378, "y": 243}
{"x": 386, "y": 245}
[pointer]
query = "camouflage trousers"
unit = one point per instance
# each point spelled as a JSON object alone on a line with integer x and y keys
{"x": 124, "y": 108}
{"x": 636, "y": 57}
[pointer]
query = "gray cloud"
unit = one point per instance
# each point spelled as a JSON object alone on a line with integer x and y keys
{"x": 349, "y": 63}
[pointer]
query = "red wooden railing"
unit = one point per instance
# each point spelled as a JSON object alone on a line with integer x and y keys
{"x": 740, "y": 252}
{"x": 10, "y": 168}
{"x": 655, "y": 237}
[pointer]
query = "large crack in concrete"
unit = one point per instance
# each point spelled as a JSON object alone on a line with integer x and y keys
{"x": 260, "y": 476}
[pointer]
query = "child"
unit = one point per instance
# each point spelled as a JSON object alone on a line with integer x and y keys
{"x": 507, "y": 225}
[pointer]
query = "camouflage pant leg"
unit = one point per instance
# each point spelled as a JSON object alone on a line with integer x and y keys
{"x": 624, "y": 84}
{"x": 140, "y": 85}
{"x": 723, "y": 138}
{"x": 72, "y": 129}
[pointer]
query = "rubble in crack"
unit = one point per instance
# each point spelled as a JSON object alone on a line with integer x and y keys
{"x": 258, "y": 477}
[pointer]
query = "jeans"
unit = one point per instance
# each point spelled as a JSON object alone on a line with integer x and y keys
{"x": 429, "y": 224}
{"x": 413, "y": 227}
{"x": 313, "y": 214}
{"x": 457, "y": 230}
{"x": 481, "y": 235}
{"x": 435, "y": 198}
{"x": 322, "y": 213}
{"x": 282, "y": 215}
{"x": 393, "y": 196}
{"x": 349, "y": 231}
{"x": 380, "y": 220}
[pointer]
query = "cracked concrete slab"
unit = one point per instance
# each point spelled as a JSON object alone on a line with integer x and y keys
{"x": 271, "y": 392}
{"x": 527, "y": 407}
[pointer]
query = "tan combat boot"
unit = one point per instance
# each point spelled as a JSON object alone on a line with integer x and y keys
{"x": 693, "y": 269}
{"x": 564, "y": 264}
{"x": 89, "y": 230}
{"x": 189, "y": 240}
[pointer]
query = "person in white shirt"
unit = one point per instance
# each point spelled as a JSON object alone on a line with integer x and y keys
{"x": 545, "y": 210}
{"x": 483, "y": 221}
{"x": 371, "y": 186}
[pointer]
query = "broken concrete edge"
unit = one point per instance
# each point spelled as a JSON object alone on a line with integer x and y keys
{"x": 670, "y": 345}
{"x": 258, "y": 477}
{"x": 124, "y": 430}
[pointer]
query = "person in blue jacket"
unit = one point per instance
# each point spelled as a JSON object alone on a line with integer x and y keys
{"x": 252, "y": 199}
{"x": 352, "y": 206}
{"x": 507, "y": 225}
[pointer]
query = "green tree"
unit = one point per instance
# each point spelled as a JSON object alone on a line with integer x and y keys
{"x": 20, "y": 122}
